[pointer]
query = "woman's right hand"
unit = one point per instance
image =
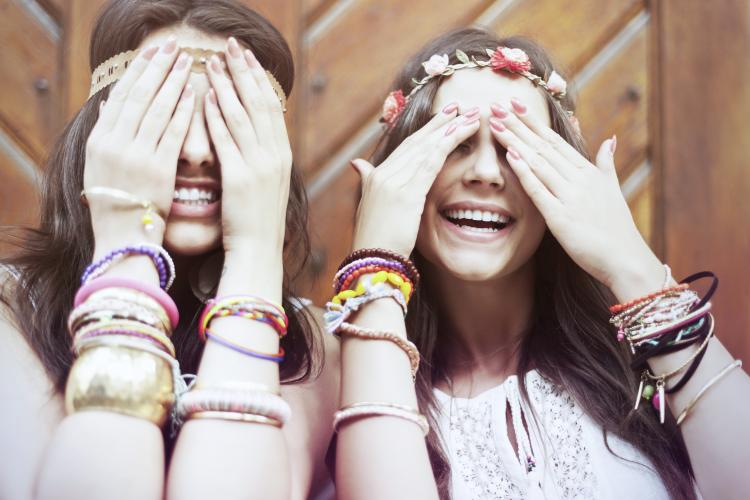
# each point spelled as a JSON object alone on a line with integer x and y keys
{"x": 394, "y": 193}
{"x": 135, "y": 145}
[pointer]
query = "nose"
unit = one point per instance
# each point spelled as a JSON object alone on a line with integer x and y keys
{"x": 488, "y": 168}
{"x": 196, "y": 150}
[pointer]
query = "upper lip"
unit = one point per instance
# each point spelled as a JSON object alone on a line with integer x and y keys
{"x": 198, "y": 182}
{"x": 475, "y": 205}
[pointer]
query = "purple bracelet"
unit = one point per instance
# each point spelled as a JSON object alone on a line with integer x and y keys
{"x": 159, "y": 256}
{"x": 345, "y": 272}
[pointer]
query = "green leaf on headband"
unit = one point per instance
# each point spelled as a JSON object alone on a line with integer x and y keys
{"x": 461, "y": 55}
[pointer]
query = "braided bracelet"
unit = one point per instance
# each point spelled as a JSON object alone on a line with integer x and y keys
{"x": 367, "y": 334}
{"x": 248, "y": 307}
{"x": 161, "y": 259}
{"x": 363, "y": 410}
{"x": 247, "y": 402}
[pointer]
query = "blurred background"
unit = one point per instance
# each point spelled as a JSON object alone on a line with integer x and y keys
{"x": 669, "y": 77}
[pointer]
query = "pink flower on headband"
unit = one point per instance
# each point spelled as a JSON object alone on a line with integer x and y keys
{"x": 515, "y": 60}
{"x": 436, "y": 65}
{"x": 556, "y": 84}
{"x": 392, "y": 107}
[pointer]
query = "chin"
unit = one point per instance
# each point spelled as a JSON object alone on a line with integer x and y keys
{"x": 472, "y": 266}
{"x": 192, "y": 238}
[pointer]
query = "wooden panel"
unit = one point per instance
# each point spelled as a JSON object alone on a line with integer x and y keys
{"x": 350, "y": 67}
{"x": 28, "y": 63}
{"x": 615, "y": 101}
{"x": 573, "y": 30}
{"x": 18, "y": 198}
{"x": 641, "y": 204}
{"x": 704, "y": 144}
{"x": 313, "y": 9}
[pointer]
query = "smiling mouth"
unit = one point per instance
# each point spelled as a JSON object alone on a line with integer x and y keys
{"x": 195, "y": 196}
{"x": 479, "y": 221}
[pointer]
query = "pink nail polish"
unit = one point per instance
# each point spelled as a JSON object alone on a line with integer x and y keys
{"x": 212, "y": 96}
{"x": 215, "y": 64}
{"x": 181, "y": 61}
{"x": 471, "y": 119}
{"x": 520, "y": 108}
{"x": 149, "y": 53}
{"x": 452, "y": 128}
{"x": 233, "y": 47}
{"x": 514, "y": 154}
{"x": 499, "y": 111}
{"x": 450, "y": 108}
{"x": 613, "y": 144}
{"x": 170, "y": 46}
{"x": 252, "y": 61}
{"x": 496, "y": 124}
{"x": 471, "y": 112}
{"x": 188, "y": 92}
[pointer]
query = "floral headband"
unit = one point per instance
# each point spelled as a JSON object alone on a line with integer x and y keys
{"x": 501, "y": 59}
{"x": 113, "y": 68}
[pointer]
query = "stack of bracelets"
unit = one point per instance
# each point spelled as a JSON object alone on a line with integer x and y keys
{"x": 121, "y": 331}
{"x": 237, "y": 401}
{"x": 364, "y": 276}
{"x": 665, "y": 322}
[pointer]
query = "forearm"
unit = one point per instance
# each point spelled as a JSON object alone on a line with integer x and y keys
{"x": 225, "y": 459}
{"x": 381, "y": 457}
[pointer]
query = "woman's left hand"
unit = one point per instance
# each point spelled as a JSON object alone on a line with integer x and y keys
{"x": 581, "y": 203}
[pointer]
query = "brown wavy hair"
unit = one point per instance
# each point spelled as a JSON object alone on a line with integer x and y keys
{"x": 570, "y": 342}
{"x": 49, "y": 259}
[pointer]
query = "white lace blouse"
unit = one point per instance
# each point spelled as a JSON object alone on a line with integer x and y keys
{"x": 564, "y": 457}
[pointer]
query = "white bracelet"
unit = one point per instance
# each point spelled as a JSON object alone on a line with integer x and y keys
{"x": 363, "y": 410}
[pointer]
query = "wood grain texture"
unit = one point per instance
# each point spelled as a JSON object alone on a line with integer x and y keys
{"x": 29, "y": 111}
{"x": 702, "y": 148}
{"x": 350, "y": 67}
{"x": 19, "y": 199}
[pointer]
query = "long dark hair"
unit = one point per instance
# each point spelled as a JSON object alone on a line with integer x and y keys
{"x": 569, "y": 342}
{"x": 51, "y": 258}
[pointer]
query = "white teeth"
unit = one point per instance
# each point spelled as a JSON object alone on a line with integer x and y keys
{"x": 194, "y": 196}
{"x": 478, "y": 215}
{"x": 479, "y": 229}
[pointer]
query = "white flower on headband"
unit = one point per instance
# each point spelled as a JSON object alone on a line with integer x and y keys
{"x": 556, "y": 84}
{"x": 436, "y": 65}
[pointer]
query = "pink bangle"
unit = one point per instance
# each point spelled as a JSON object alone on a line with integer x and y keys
{"x": 154, "y": 292}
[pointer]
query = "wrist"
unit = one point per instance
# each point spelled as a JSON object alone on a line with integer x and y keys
{"x": 250, "y": 271}
{"x": 637, "y": 277}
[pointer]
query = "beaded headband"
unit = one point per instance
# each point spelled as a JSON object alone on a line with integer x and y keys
{"x": 113, "y": 68}
{"x": 501, "y": 59}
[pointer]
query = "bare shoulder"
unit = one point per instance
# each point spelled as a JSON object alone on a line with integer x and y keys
{"x": 313, "y": 403}
{"x": 26, "y": 425}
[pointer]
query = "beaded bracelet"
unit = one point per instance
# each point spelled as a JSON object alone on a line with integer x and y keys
{"x": 684, "y": 413}
{"x": 395, "y": 280}
{"x": 409, "y": 268}
{"x": 161, "y": 259}
{"x": 363, "y": 410}
{"x": 405, "y": 345}
{"x": 379, "y": 275}
{"x": 253, "y": 308}
{"x": 358, "y": 268}
{"x": 147, "y": 219}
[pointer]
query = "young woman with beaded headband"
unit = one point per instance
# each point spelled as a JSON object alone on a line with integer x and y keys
{"x": 182, "y": 143}
{"x": 525, "y": 388}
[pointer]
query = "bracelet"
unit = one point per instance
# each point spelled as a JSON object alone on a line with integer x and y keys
{"x": 731, "y": 366}
{"x": 147, "y": 219}
{"x": 161, "y": 259}
{"x": 276, "y": 358}
{"x": 236, "y": 386}
{"x": 367, "y": 334}
{"x": 248, "y": 402}
{"x": 356, "y": 266}
{"x": 336, "y": 314}
{"x": 361, "y": 410}
{"x": 248, "y": 307}
{"x": 154, "y": 292}
{"x": 96, "y": 310}
{"x": 411, "y": 270}
{"x": 235, "y": 417}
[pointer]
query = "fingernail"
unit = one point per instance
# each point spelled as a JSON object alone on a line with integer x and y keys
{"x": 452, "y": 128}
{"x": 513, "y": 154}
{"x": 613, "y": 144}
{"x": 250, "y": 58}
{"x": 148, "y": 54}
{"x": 450, "y": 108}
{"x": 496, "y": 124}
{"x": 188, "y": 92}
{"x": 170, "y": 46}
{"x": 181, "y": 61}
{"x": 520, "y": 108}
{"x": 353, "y": 165}
{"x": 233, "y": 48}
{"x": 471, "y": 119}
{"x": 471, "y": 112}
{"x": 212, "y": 96}
{"x": 215, "y": 64}
{"x": 499, "y": 111}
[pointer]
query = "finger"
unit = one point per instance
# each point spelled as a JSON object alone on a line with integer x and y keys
{"x": 560, "y": 145}
{"x": 174, "y": 135}
{"x": 145, "y": 88}
{"x": 550, "y": 176}
{"x": 363, "y": 167}
{"x": 162, "y": 108}
{"x": 605, "y": 157}
{"x": 438, "y": 120}
{"x": 542, "y": 198}
{"x": 531, "y": 139}
{"x": 235, "y": 115}
{"x": 109, "y": 113}
{"x": 456, "y": 132}
{"x": 226, "y": 149}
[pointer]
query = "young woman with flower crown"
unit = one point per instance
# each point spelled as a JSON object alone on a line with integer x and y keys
{"x": 182, "y": 145}
{"x": 532, "y": 383}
